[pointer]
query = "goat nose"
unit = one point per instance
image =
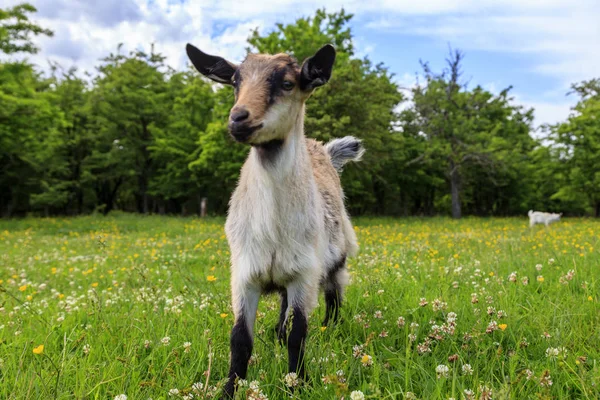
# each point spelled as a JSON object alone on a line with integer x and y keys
{"x": 239, "y": 115}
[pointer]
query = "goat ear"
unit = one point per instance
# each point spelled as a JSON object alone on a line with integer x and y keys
{"x": 316, "y": 70}
{"x": 216, "y": 68}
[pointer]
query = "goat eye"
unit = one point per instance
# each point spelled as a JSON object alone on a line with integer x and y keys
{"x": 287, "y": 85}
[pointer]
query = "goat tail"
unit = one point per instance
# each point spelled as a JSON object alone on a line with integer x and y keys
{"x": 343, "y": 150}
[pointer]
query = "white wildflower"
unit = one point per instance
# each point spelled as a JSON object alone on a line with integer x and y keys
{"x": 186, "y": 347}
{"x": 357, "y": 395}
{"x": 442, "y": 371}
{"x": 467, "y": 369}
{"x": 291, "y": 379}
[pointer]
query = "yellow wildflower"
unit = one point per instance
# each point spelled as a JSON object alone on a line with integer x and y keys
{"x": 211, "y": 278}
{"x": 502, "y": 326}
{"x": 23, "y": 288}
{"x": 39, "y": 349}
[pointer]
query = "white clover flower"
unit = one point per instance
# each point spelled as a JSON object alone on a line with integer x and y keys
{"x": 400, "y": 322}
{"x": 551, "y": 352}
{"x": 442, "y": 371}
{"x": 173, "y": 392}
{"x": 357, "y": 395}
{"x": 467, "y": 369}
{"x": 199, "y": 386}
{"x": 186, "y": 347}
{"x": 451, "y": 317}
{"x": 87, "y": 348}
{"x": 545, "y": 380}
{"x": 357, "y": 350}
{"x": 529, "y": 374}
{"x": 121, "y": 397}
{"x": 291, "y": 379}
{"x": 165, "y": 341}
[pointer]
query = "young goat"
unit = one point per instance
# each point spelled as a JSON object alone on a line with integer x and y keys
{"x": 538, "y": 217}
{"x": 287, "y": 226}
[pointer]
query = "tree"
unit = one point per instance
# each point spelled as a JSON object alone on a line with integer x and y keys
{"x": 176, "y": 145}
{"x": 129, "y": 98}
{"x": 70, "y": 95}
{"x": 578, "y": 143}
{"x": 466, "y": 129}
{"x": 28, "y": 120}
{"x": 16, "y": 30}
{"x": 29, "y": 124}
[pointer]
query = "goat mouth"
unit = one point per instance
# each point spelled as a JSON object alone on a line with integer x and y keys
{"x": 242, "y": 133}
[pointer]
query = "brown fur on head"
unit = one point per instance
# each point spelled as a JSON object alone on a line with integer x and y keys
{"x": 270, "y": 90}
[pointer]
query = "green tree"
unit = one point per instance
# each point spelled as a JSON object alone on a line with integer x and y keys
{"x": 578, "y": 143}
{"x": 29, "y": 136}
{"x": 71, "y": 94}
{"x": 130, "y": 97}
{"x": 16, "y": 30}
{"x": 28, "y": 120}
{"x": 475, "y": 135}
{"x": 176, "y": 145}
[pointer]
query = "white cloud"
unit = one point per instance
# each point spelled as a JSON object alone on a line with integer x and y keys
{"x": 560, "y": 36}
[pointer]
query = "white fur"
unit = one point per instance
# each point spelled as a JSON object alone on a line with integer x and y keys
{"x": 276, "y": 227}
{"x": 538, "y": 217}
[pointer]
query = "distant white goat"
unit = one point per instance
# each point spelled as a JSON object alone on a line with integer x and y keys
{"x": 287, "y": 226}
{"x": 538, "y": 217}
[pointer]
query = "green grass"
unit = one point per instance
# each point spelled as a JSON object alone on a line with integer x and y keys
{"x": 108, "y": 285}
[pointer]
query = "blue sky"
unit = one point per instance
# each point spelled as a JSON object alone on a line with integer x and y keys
{"x": 538, "y": 47}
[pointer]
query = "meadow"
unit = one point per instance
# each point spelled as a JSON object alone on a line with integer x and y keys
{"x": 133, "y": 307}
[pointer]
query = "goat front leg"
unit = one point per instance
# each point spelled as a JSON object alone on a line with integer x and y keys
{"x": 301, "y": 297}
{"x": 245, "y": 303}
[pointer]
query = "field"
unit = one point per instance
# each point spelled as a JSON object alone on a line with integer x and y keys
{"x": 96, "y": 308}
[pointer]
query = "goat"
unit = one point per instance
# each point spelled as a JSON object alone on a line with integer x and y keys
{"x": 538, "y": 217}
{"x": 287, "y": 227}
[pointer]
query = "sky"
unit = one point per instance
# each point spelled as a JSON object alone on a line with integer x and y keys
{"x": 539, "y": 47}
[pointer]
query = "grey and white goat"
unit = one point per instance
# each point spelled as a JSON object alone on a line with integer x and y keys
{"x": 287, "y": 226}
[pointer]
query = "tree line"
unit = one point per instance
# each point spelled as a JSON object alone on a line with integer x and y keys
{"x": 142, "y": 137}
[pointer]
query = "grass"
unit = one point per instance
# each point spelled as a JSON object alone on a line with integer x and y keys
{"x": 102, "y": 295}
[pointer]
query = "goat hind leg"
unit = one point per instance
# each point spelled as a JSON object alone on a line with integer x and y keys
{"x": 281, "y": 327}
{"x": 337, "y": 279}
{"x": 302, "y": 297}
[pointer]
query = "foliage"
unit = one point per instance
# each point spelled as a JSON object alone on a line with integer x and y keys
{"x": 477, "y": 136}
{"x": 139, "y": 136}
{"x": 578, "y": 141}
{"x": 16, "y": 30}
